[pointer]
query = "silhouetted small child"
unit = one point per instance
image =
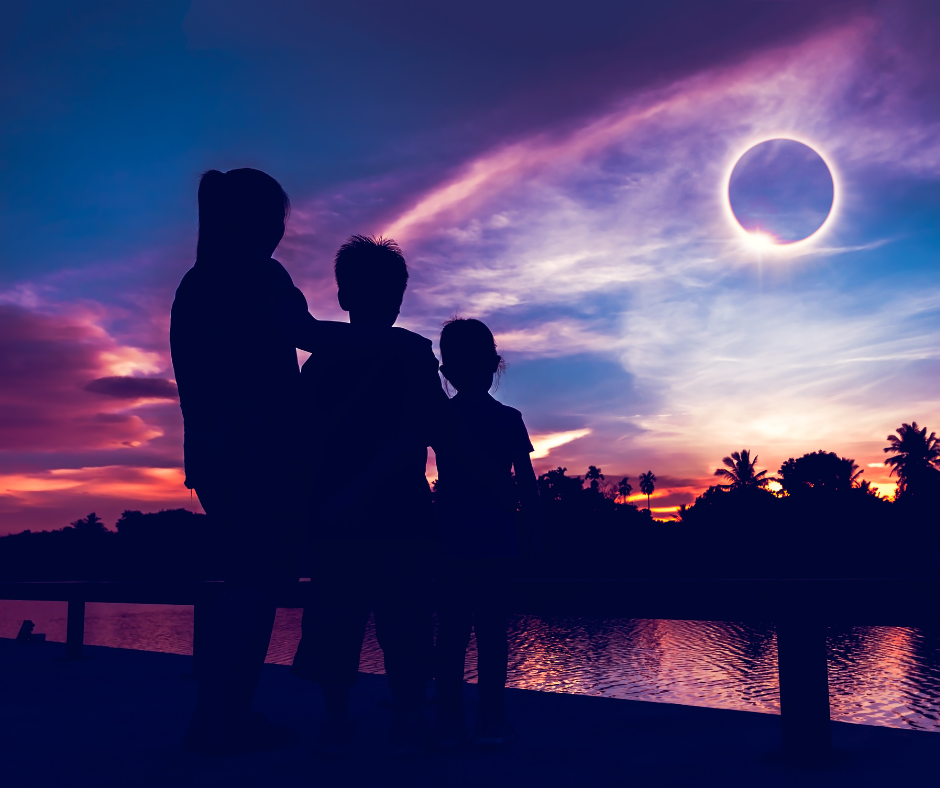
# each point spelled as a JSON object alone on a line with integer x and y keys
{"x": 371, "y": 393}
{"x": 479, "y": 444}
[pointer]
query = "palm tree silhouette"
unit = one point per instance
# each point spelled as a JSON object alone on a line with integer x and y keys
{"x": 92, "y": 524}
{"x": 742, "y": 472}
{"x": 915, "y": 454}
{"x": 593, "y": 476}
{"x": 624, "y": 488}
{"x": 849, "y": 473}
{"x": 647, "y": 486}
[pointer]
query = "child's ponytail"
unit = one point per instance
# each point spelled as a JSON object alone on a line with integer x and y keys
{"x": 213, "y": 214}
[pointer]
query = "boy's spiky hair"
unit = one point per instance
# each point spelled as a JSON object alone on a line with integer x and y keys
{"x": 370, "y": 266}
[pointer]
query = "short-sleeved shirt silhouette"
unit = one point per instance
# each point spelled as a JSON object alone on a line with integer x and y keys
{"x": 370, "y": 398}
{"x": 232, "y": 337}
{"x": 476, "y": 442}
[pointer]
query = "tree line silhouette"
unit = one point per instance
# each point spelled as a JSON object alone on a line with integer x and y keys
{"x": 822, "y": 519}
{"x": 174, "y": 544}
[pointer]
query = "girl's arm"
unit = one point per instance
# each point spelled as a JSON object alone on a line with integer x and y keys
{"x": 288, "y": 310}
{"x": 530, "y": 537}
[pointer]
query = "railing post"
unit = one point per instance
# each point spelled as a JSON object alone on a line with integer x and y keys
{"x": 804, "y": 690}
{"x": 75, "y": 629}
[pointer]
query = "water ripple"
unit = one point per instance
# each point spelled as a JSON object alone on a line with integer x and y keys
{"x": 877, "y": 675}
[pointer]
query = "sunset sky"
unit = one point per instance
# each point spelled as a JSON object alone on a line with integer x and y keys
{"x": 558, "y": 170}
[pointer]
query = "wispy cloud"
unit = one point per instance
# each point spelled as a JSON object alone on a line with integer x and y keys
{"x": 614, "y": 240}
{"x": 544, "y": 443}
{"x": 48, "y": 359}
{"x": 639, "y": 332}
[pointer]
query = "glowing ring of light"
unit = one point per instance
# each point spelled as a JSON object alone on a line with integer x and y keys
{"x": 750, "y": 238}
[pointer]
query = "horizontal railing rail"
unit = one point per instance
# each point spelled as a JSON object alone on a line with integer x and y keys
{"x": 800, "y": 609}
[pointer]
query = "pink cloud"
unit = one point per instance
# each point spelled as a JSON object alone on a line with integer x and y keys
{"x": 67, "y": 384}
{"x": 758, "y": 81}
{"x": 130, "y": 388}
{"x": 47, "y": 361}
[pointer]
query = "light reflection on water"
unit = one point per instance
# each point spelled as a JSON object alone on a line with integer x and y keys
{"x": 877, "y": 675}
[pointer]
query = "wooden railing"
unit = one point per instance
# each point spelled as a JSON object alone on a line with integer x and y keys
{"x": 801, "y": 611}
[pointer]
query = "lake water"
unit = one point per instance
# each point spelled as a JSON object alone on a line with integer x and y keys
{"x": 877, "y": 675}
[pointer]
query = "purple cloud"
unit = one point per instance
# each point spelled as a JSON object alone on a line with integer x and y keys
{"x": 123, "y": 387}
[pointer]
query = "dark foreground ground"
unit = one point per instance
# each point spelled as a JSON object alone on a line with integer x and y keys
{"x": 116, "y": 718}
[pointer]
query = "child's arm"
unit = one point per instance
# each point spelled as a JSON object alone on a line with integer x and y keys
{"x": 432, "y": 398}
{"x": 530, "y": 537}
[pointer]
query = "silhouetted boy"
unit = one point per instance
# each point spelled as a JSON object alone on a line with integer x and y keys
{"x": 236, "y": 323}
{"x": 370, "y": 396}
{"x": 479, "y": 442}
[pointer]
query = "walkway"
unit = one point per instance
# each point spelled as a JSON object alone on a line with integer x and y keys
{"x": 115, "y": 719}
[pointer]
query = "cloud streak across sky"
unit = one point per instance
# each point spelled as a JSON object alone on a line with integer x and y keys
{"x": 614, "y": 241}
{"x": 580, "y": 210}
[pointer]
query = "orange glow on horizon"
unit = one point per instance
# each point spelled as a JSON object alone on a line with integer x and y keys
{"x": 151, "y": 485}
{"x": 24, "y": 483}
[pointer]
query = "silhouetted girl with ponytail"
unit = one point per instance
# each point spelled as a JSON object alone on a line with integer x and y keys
{"x": 236, "y": 323}
{"x": 487, "y": 519}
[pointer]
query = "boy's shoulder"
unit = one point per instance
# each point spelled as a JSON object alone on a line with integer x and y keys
{"x": 411, "y": 342}
{"x": 394, "y": 337}
{"x": 349, "y": 341}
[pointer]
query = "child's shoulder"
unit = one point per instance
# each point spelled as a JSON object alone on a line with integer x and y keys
{"x": 412, "y": 348}
{"x": 190, "y": 282}
{"x": 275, "y": 273}
{"x": 410, "y": 340}
{"x": 506, "y": 411}
{"x": 511, "y": 421}
{"x": 264, "y": 274}
{"x": 368, "y": 346}
{"x": 489, "y": 407}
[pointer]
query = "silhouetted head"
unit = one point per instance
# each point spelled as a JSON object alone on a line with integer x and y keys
{"x": 242, "y": 214}
{"x": 468, "y": 353}
{"x": 371, "y": 275}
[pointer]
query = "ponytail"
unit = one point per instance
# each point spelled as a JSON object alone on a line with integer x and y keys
{"x": 214, "y": 211}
